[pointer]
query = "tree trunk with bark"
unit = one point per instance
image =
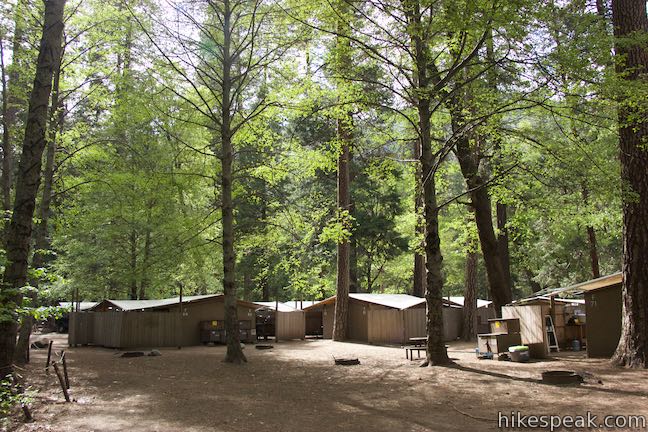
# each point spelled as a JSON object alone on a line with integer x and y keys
{"x": 500, "y": 287}
{"x": 19, "y": 233}
{"x": 344, "y": 135}
{"x": 435, "y": 352}
{"x": 12, "y": 104}
{"x": 631, "y": 32}
{"x": 591, "y": 240}
{"x": 340, "y": 322}
{"x": 470, "y": 296}
{"x": 419, "y": 259}
{"x": 41, "y": 230}
{"x": 234, "y": 351}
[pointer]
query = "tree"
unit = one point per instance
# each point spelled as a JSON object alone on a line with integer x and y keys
{"x": 41, "y": 231}
{"x": 630, "y": 20}
{"x": 12, "y": 100}
{"x": 19, "y": 233}
{"x": 218, "y": 70}
{"x": 344, "y": 134}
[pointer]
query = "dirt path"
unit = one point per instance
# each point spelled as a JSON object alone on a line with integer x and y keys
{"x": 296, "y": 387}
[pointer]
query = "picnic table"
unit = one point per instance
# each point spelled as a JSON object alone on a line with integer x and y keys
{"x": 415, "y": 344}
{"x": 418, "y": 341}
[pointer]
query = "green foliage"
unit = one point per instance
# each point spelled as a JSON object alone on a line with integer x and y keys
{"x": 10, "y": 398}
{"x": 136, "y": 204}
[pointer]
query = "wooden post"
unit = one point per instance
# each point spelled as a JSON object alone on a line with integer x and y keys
{"x": 65, "y": 372}
{"x": 49, "y": 355}
{"x": 60, "y": 378}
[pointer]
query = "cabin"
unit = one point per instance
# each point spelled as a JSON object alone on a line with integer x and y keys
{"x": 157, "y": 323}
{"x": 386, "y": 318}
{"x": 593, "y": 319}
{"x": 533, "y": 312}
{"x": 604, "y": 312}
{"x": 313, "y": 318}
{"x": 279, "y": 321}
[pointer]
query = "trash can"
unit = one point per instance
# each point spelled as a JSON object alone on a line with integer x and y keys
{"x": 519, "y": 353}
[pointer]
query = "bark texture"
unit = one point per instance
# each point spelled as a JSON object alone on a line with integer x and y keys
{"x": 234, "y": 351}
{"x": 11, "y": 105}
{"x": 435, "y": 348}
{"x": 419, "y": 259}
{"x": 41, "y": 231}
{"x": 630, "y": 31}
{"x": 340, "y": 322}
{"x": 19, "y": 233}
{"x": 591, "y": 240}
{"x": 343, "y": 247}
{"x": 470, "y": 296}
{"x": 498, "y": 281}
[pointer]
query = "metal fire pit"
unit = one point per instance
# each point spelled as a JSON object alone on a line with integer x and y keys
{"x": 346, "y": 361}
{"x": 561, "y": 377}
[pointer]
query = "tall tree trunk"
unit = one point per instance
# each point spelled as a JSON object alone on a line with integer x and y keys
{"x": 344, "y": 126}
{"x": 591, "y": 240}
{"x": 593, "y": 251}
{"x": 500, "y": 288}
{"x": 435, "y": 352}
{"x": 631, "y": 32}
{"x": 234, "y": 351}
{"x": 470, "y": 296}
{"x": 7, "y": 151}
{"x": 419, "y": 259}
{"x": 19, "y": 232}
{"x": 11, "y": 104}
{"x": 343, "y": 246}
{"x": 265, "y": 289}
{"x": 535, "y": 286}
{"x": 41, "y": 231}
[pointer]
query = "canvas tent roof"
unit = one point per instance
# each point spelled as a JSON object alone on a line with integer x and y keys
{"x": 395, "y": 301}
{"x": 84, "y": 305}
{"x": 300, "y": 304}
{"x": 273, "y": 306}
{"x": 548, "y": 298}
{"x": 582, "y": 287}
{"x": 133, "y": 305}
{"x": 460, "y": 301}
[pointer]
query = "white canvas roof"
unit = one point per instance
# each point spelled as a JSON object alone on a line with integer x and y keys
{"x": 300, "y": 304}
{"x": 84, "y": 305}
{"x": 133, "y": 305}
{"x": 460, "y": 301}
{"x": 273, "y": 305}
{"x": 395, "y": 301}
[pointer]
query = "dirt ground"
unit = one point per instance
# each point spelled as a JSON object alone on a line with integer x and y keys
{"x": 296, "y": 387}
